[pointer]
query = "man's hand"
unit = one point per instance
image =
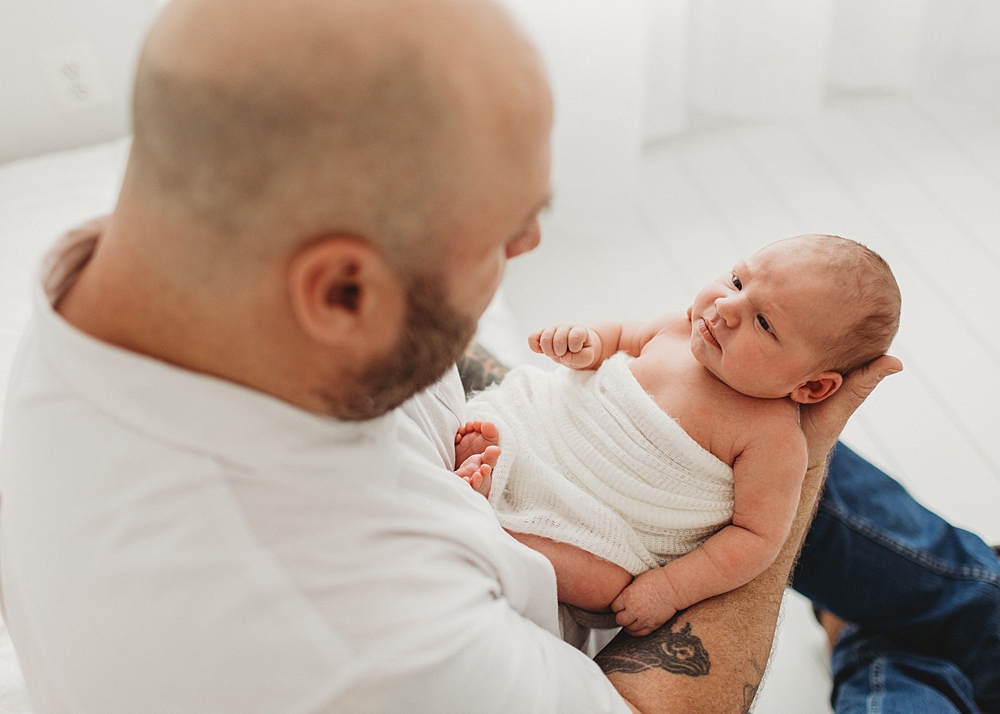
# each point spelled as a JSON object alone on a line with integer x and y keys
{"x": 572, "y": 345}
{"x": 823, "y": 422}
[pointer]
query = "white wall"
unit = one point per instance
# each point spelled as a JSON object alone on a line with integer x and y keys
{"x": 596, "y": 53}
{"x": 715, "y": 61}
{"x": 106, "y": 35}
{"x": 624, "y": 73}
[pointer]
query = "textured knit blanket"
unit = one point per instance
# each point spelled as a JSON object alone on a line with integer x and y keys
{"x": 589, "y": 459}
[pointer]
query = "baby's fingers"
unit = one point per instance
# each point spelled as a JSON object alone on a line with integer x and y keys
{"x": 577, "y": 338}
{"x": 618, "y": 604}
{"x": 552, "y": 340}
{"x": 622, "y": 616}
{"x": 535, "y": 341}
{"x": 626, "y": 619}
{"x": 545, "y": 342}
{"x": 637, "y": 631}
{"x": 579, "y": 360}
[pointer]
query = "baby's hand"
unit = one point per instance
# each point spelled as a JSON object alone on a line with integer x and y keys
{"x": 572, "y": 345}
{"x": 645, "y": 604}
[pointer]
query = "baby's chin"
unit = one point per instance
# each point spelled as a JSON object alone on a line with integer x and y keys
{"x": 749, "y": 390}
{"x": 699, "y": 351}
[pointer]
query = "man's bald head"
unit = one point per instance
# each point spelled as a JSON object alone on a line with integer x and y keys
{"x": 259, "y": 122}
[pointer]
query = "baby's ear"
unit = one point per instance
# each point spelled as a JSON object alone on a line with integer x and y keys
{"x": 817, "y": 388}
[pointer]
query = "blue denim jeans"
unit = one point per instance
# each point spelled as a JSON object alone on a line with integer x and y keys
{"x": 923, "y": 597}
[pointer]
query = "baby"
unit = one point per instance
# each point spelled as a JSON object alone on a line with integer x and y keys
{"x": 678, "y": 463}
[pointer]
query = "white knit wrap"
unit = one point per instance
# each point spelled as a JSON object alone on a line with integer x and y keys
{"x": 590, "y": 459}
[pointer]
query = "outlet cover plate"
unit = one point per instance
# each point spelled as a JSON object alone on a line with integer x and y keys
{"x": 74, "y": 77}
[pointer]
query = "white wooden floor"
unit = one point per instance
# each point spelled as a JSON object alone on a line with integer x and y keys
{"x": 917, "y": 180}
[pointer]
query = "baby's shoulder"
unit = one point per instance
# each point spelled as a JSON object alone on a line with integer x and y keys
{"x": 671, "y": 325}
{"x": 666, "y": 332}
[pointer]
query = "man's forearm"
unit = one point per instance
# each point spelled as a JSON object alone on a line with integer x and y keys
{"x": 711, "y": 657}
{"x": 479, "y": 369}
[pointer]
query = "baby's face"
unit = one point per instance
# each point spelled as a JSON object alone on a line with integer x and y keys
{"x": 760, "y": 327}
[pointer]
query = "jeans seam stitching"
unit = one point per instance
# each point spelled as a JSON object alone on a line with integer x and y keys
{"x": 917, "y": 556}
{"x": 876, "y": 681}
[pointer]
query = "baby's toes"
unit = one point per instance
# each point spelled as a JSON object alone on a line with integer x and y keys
{"x": 491, "y": 455}
{"x": 490, "y": 432}
{"x": 487, "y": 482}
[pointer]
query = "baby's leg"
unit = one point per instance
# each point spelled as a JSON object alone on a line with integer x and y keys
{"x": 582, "y": 579}
{"x": 474, "y": 438}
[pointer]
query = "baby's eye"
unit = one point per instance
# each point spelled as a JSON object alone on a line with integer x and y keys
{"x": 763, "y": 323}
{"x": 737, "y": 284}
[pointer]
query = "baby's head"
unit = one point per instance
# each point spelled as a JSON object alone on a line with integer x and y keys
{"x": 796, "y": 317}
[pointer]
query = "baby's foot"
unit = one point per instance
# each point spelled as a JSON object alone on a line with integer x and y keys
{"x": 477, "y": 470}
{"x": 474, "y": 438}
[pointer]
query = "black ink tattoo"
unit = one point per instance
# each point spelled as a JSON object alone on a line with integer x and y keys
{"x": 677, "y": 652}
{"x": 749, "y": 689}
{"x": 479, "y": 369}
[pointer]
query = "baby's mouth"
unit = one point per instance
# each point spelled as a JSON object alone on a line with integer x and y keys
{"x": 707, "y": 333}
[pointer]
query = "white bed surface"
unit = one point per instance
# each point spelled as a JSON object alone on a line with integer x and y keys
{"x": 40, "y": 198}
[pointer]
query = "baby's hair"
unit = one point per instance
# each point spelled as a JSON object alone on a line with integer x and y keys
{"x": 871, "y": 290}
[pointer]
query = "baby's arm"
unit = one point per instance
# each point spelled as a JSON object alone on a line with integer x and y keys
{"x": 583, "y": 347}
{"x": 767, "y": 477}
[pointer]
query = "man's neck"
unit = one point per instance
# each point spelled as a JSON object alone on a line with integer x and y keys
{"x": 120, "y": 299}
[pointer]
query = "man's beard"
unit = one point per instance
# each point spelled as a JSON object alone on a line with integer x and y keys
{"x": 434, "y": 336}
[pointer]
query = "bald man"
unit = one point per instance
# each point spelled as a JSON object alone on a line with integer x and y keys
{"x": 210, "y": 500}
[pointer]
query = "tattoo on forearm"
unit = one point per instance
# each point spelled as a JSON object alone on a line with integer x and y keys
{"x": 674, "y": 651}
{"x": 479, "y": 369}
{"x": 750, "y": 689}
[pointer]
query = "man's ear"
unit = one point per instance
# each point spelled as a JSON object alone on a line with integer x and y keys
{"x": 342, "y": 290}
{"x": 817, "y": 388}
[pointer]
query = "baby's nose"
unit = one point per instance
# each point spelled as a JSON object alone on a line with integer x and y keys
{"x": 728, "y": 310}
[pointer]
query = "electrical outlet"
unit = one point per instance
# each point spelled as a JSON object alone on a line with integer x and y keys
{"x": 74, "y": 77}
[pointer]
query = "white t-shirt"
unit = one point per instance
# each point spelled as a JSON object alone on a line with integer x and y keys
{"x": 171, "y": 542}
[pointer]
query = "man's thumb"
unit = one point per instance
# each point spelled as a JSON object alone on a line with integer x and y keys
{"x": 863, "y": 382}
